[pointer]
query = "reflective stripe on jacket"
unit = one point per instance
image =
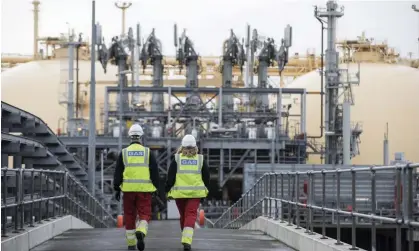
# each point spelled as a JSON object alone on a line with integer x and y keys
{"x": 136, "y": 177}
{"x": 188, "y": 182}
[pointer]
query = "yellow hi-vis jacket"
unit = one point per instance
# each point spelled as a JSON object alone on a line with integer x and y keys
{"x": 188, "y": 182}
{"x": 136, "y": 177}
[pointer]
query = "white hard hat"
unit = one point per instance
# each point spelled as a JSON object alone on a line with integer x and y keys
{"x": 189, "y": 140}
{"x": 136, "y": 130}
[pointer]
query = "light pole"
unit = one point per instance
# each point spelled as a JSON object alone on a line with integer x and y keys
{"x": 92, "y": 108}
{"x": 123, "y": 6}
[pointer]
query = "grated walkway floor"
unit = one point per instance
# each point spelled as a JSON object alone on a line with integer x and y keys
{"x": 163, "y": 236}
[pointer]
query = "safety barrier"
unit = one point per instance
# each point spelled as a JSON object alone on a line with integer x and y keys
{"x": 32, "y": 196}
{"x": 267, "y": 198}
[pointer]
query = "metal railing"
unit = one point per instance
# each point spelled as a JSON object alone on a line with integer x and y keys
{"x": 267, "y": 197}
{"x": 32, "y": 196}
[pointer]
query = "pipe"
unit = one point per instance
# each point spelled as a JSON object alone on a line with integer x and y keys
{"x": 385, "y": 148}
{"x": 35, "y": 27}
{"x": 346, "y": 133}
{"x": 77, "y": 80}
{"x": 321, "y": 85}
{"x": 92, "y": 110}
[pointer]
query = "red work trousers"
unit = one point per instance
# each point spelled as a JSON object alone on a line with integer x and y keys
{"x": 136, "y": 204}
{"x": 188, "y": 211}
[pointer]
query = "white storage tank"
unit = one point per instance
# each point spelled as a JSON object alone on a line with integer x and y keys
{"x": 115, "y": 130}
{"x": 387, "y": 93}
{"x": 156, "y": 130}
{"x": 252, "y": 130}
{"x": 194, "y": 133}
{"x": 270, "y": 130}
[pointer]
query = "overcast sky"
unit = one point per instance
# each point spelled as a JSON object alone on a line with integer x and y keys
{"x": 208, "y": 22}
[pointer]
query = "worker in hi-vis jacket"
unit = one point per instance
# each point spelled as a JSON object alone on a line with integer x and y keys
{"x": 187, "y": 183}
{"x": 137, "y": 176}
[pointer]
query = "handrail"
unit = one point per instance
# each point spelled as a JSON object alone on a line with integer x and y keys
{"x": 45, "y": 195}
{"x": 267, "y": 197}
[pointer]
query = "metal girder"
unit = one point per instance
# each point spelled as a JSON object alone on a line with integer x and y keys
{"x": 47, "y": 139}
{"x": 47, "y": 161}
{"x": 211, "y": 143}
{"x": 130, "y": 89}
{"x": 66, "y": 158}
{"x": 192, "y": 114}
{"x": 11, "y": 119}
{"x": 80, "y": 173}
{"x": 7, "y": 108}
{"x": 231, "y": 173}
{"x": 10, "y": 148}
{"x": 74, "y": 166}
{"x": 58, "y": 149}
{"x": 106, "y": 177}
{"x": 109, "y": 167}
{"x": 5, "y": 137}
{"x": 32, "y": 151}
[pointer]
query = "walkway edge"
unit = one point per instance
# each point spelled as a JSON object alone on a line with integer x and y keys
{"x": 39, "y": 234}
{"x": 294, "y": 238}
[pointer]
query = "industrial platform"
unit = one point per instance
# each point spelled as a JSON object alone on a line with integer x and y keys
{"x": 163, "y": 236}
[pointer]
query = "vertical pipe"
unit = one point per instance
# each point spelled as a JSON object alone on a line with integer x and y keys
{"x": 321, "y": 82}
{"x": 136, "y": 71}
{"x": 32, "y": 197}
{"x": 106, "y": 112}
{"x": 101, "y": 170}
{"x": 410, "y": 206}
{"x": 35, "y": 28}
{"x": 338, "y": 209}
{"x": 353, "y": 209}
{"x": 247, "y": 69}
{"x": 40, "y": 196}
{"x": 70, "y": 86}
{"x": 270, "y": 194}
{"x": 169, "y": 118}
{"x": 398, "y": 212}
{"x": 121, "y": 76}
{"x": 92, "y": 110}
{"x": 276, "y": 196}
{"x": 54, "y": 201}
{"x": 297, "y": 199}
{"x": 346, "y": 133}
{"x": 221, "y": 167}
{"x": 289, "y": 199}
{"x": 77, "y": 104}
{"x": 373, "y": 210}
{"x": 303, "y": 113}
{"x": 385, "y": 148}
{"x": 282, "y": 197}
{"x": 4, "y": 200}
{"x": 16, "y": 195}
{"x": 123, "y": 21}
{"x": 220, "y": 108}
{"x": 279, "y": 112}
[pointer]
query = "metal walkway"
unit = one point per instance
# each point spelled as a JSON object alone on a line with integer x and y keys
{"x": 163, "y": 236}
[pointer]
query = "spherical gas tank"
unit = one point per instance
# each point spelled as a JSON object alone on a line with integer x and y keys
{"x": 387, "y": 93}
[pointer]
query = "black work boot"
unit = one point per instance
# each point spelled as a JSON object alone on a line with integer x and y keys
{"x": 140, "y": 240}
{"x": 186, "y": 246}
{"x": 131, "y": 247}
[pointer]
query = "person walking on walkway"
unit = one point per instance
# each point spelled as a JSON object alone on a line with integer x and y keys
{"x": 137, "y": 176}
{"x": 187, "y": 182}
